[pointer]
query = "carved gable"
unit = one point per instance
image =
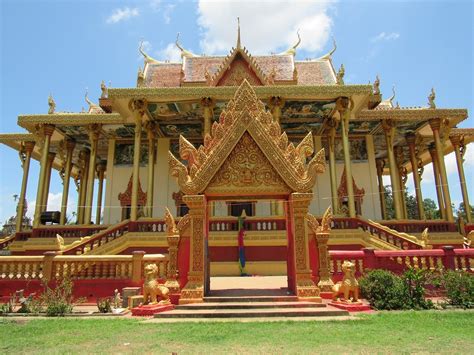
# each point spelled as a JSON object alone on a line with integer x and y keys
{"x": 245, "y": 114}
{"x": 238, "y": 70}
{"x": 247, "y": 172}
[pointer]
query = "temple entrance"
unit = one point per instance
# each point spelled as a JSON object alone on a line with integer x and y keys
{"x": 247, "y": 239}
{"x": 247, "y": 158}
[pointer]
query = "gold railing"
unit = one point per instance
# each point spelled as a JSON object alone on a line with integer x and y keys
{"x": 80, "y": 267}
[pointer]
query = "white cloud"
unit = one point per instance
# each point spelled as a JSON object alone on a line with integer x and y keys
{"x": 170, "y": 52}
{"x": 266, "y": 26}
{"x": 122, "y": 14}
{"x": 167, "y": 13}
{"x": 165, "y": 9}
{"x": 383, "y": 36}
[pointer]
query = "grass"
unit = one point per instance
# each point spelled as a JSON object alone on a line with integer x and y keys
{"x": 384, "y": 332}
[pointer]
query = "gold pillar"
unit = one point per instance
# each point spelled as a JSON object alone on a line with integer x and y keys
{"x": 85, "y": 156}
{"x": 276, "y": 103}
{"x": 439, "y": 191}
{"x": 46, "y": 132}
{"x": 101, "y": 166}
{"x": 389, "y": 129}
{"x": 151, "y": 168}
{"x": 436, "y": 125}
{"x": 138, "y": 107}
{"x": 66, "y": 177}
{"x": 193, "y": 291}
{"x": 459, "y": 150}
{"x": 345, "y": 113}
{"x": 402, "y": 176}
{"x": 208, "y": 113}
{"x": 25, "y": 156}
{"x": 94, "y": 133}
{"x": 332, "y": 164}
{"x": 305, "y": 288}
{"x": 415, "y": 167}
{"x": 380, "y": 163}
{"x": 47, "y": 184}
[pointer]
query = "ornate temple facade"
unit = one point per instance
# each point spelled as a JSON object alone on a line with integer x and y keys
{"x": 211, "y": 137}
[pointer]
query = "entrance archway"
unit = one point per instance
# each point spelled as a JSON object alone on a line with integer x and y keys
{"x": 248, "y": 155}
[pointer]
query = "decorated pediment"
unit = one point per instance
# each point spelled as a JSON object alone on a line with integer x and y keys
{"x": 245, "y": 114}
{"x": 125, "y": 197}
{"x": 238, "y": 66}
{"x": 247, "y": 171}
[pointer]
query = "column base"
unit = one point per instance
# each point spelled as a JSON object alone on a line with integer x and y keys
{"x": 173, "y": 286}
{"x": 325, "y": 284}
{"x": 306, "y": 289}
{"x": 193, "y": 292}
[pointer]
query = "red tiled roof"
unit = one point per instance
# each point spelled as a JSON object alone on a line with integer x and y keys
{"x": 309, "y": 73}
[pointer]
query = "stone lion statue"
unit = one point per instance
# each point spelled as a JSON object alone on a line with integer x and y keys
{"x": 349, "y": 287}
{"x": 152, "y": 289}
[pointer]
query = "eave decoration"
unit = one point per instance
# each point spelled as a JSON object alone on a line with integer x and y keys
{"x": 245, "y": 113}
{"x": 359, "y": 193}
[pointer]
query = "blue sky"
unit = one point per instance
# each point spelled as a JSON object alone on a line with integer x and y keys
{"x": 64, "y": 47}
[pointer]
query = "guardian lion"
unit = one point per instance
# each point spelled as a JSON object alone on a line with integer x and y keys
{"x": 152, "y": 289}
{"x": 348, "y": 286}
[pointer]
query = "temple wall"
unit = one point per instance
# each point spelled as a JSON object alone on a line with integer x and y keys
{"x": 118, "y": 176}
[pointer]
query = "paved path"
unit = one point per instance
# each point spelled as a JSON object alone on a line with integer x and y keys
{"x": 249, "y": 286}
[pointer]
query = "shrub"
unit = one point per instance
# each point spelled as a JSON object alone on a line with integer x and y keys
{"x": 459, "y": 286}
{"x": 58, "y": 301}
{"x": 386, "y": 291}
{"x": 104, "y": 305}
{"x": 383, "y": 289}
{"x": 9, "y": 306}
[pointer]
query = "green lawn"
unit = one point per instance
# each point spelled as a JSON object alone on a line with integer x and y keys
{"x": 385, "y": 332}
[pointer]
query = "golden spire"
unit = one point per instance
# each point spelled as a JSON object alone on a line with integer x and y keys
{"x": 292, "y": 50}
{"x": 148, "y": 59}
{"x": 184, "y": 52}
{"x": 330, "y": 53}
{"x": 238, "y": 32}
{"x": 340, "y": 75}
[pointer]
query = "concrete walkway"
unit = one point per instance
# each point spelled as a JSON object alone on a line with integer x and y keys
{"x": 228, "y": 286}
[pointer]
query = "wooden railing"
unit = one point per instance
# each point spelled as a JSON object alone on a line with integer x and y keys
{"x": 414, "y": 226}
{"x": 67, "y": 231}
{"x": 80, "y": 267}
{"x": 400, "y": 260}
{"x": 250, "y": 224}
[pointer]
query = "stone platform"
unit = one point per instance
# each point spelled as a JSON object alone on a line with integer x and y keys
{"x": 151, "y": 309}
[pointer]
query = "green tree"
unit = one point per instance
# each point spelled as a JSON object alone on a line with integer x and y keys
{"x": 430, "y": 207}
{"x": 461, "y": 211}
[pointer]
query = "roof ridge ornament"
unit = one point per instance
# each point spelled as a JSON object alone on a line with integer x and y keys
{"x": 431, "y": 99}
{"x": 147, "y": 58}
{"x": 331, "y": 52}
{"x": 340, "y": 75}
{"x": 51, "y": 104}
{"x": 238, "y": 46}
{"x": 292, "y": 49}
{"x": 89, "y": 102}
{"x": 376, "y": 85}
{"x": 184, "y": 53}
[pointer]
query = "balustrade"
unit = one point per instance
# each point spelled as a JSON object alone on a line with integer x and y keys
{"x": 83, "y": 267}
{"x": 257, "y": 224}
{"x": 419, "y": 226}
{"x": 66, "y": 231}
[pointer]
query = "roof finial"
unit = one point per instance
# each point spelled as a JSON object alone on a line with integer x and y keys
{"x": 89, "y": 102}
{"x": 238, "y": 32}
{"x": 431, "y": 99}
{"x": 393, "y": 94}
{"x": 376, "y": 85}
{"x": 292, "y": 50}
{"x": 104, "y": 90}
{"x": 340, "y": 75}
{"x": 51, "y": 104}
{"x": 148, "y": 59}
{"x": 331, "y": 52}
{"x": 184, "y": 52}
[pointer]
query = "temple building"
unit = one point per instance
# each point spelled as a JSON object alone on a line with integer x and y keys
{"x": 314, "y": 142}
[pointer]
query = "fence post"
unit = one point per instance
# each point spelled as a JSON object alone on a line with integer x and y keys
{"x": 448, "y": 259}
{"x": 48, "y": 265}
{"x": 370, "y": 261}
{"x": 137, "y": 261}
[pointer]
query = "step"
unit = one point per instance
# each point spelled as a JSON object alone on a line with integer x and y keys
{"x": 248, "y": 305}
{"x": 248, "y": 299}
{"x": 254, "y": 313}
